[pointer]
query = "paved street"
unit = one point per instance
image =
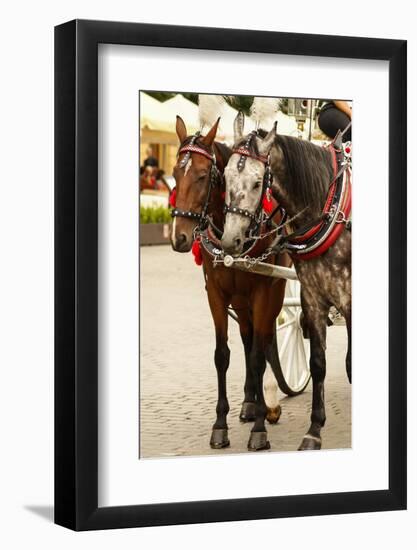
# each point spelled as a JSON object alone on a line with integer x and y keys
{"x": 178, "y": 385}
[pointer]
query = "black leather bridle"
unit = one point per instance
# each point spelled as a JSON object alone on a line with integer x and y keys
{"x": 244, "y": 152}
{"x": 190, "y": 148}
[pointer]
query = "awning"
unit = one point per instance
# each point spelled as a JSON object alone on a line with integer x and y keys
{"x": 157, "y": 118}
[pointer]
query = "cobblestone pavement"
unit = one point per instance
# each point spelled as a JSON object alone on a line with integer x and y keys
{"x": 178, "y": 385}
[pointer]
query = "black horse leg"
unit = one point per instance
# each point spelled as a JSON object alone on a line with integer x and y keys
{"x": 317, "y": 329}
{"x": 219, "y": 437}
{"x": 218, "y": 306}
{"x": 258, "y": 439}
{"x": 247, "y": 412}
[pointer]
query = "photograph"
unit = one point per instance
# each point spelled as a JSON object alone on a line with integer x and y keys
{"x": 245, "y": 274}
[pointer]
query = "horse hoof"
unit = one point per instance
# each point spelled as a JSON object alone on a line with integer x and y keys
{"x": 247, "y": 412}
{"x": 258, "y": 441}
{"x": 273, "y": 414}
{"x": 219, "y": 438}
{"x": 310, "y": 443}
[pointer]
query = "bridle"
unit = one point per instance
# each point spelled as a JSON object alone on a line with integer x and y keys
{"x": 193, "y": 148}
{"x": 258, "y": 216}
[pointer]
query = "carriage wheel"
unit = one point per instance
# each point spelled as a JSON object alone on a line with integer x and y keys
{"x": 293, "y": 371}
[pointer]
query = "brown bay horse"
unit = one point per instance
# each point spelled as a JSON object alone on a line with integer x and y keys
{"x": 256, "y": 299}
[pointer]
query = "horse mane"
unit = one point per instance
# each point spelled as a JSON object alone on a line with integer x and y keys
{"x": 224, "y": 151}
{"x": 308, "y": 168}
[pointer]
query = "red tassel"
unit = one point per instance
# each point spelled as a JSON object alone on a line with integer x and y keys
{"x": 267, "y": 202}
{"x": 196, "y": 250}
{"x": 173, "y": 198}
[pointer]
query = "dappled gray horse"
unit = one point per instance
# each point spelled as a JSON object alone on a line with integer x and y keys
{"x": 313, "y": 184}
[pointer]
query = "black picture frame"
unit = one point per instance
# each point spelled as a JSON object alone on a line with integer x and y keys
{"x": 76, "y": 272}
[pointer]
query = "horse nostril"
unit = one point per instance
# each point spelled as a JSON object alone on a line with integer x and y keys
{"x": 238, "y": 241}
{"x": 181, "y": 242}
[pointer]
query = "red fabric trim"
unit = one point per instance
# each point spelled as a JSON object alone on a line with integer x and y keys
{"x": 317, "y": 227}
{"x": 173, "y": 198}
{"x": 196, "y": 250}
{"x": 311, "y": 232}
{"x": 268, "y": 203}
{"x": 337, "y": 230}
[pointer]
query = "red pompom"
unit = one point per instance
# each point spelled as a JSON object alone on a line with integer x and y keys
{"x": 347, "y": 150}
{"x": 173, "y": 198}
{"x": 196, "y": 250}
{"x": 267, "y": 202}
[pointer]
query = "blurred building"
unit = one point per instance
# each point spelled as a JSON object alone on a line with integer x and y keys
{"x": 157, "y": 127}
{"x": 159, "y": 141}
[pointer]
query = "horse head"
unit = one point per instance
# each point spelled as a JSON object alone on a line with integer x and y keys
{"x": 192, "y": 173}
{"x": 246, "y": 177}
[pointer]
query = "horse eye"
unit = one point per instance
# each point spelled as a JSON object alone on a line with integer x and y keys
{"x": 256, "y": 185}
{"x": 202, "y": 177}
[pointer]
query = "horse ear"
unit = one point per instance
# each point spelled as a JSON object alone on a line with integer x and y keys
{"x": 181, "y": 129}
{"x": 265, "y": 145}
{"x": 238, "y": 126}
{"x": 210, "y": 137}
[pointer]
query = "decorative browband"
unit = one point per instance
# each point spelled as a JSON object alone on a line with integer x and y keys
{"x": 195, "y": 149}
{"x": 246, "y": 153}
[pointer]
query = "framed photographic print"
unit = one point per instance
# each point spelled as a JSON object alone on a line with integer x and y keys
{"x": 227, "y": 299}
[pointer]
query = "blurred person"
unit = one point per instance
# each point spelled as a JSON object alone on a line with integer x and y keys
{"x": 334, "y": 116}
{"x": 147, "y": 178}
{"x": 150, "y": 160}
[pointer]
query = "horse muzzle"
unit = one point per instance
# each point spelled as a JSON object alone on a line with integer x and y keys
{"x": 232, "y": 245}
{"x": 181, "y": 243}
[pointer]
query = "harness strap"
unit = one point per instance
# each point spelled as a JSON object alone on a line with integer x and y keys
{"x": 308, "y": 230}
{"x": 314, "y": 238}
{"x": 241, "y": 211}
{"x": 338, "y": 228}
{"x": 177, "y": 212}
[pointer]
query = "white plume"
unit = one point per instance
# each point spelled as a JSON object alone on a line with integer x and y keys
{"x": 210, "y": 107}
{"x": 264, "y": 109}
